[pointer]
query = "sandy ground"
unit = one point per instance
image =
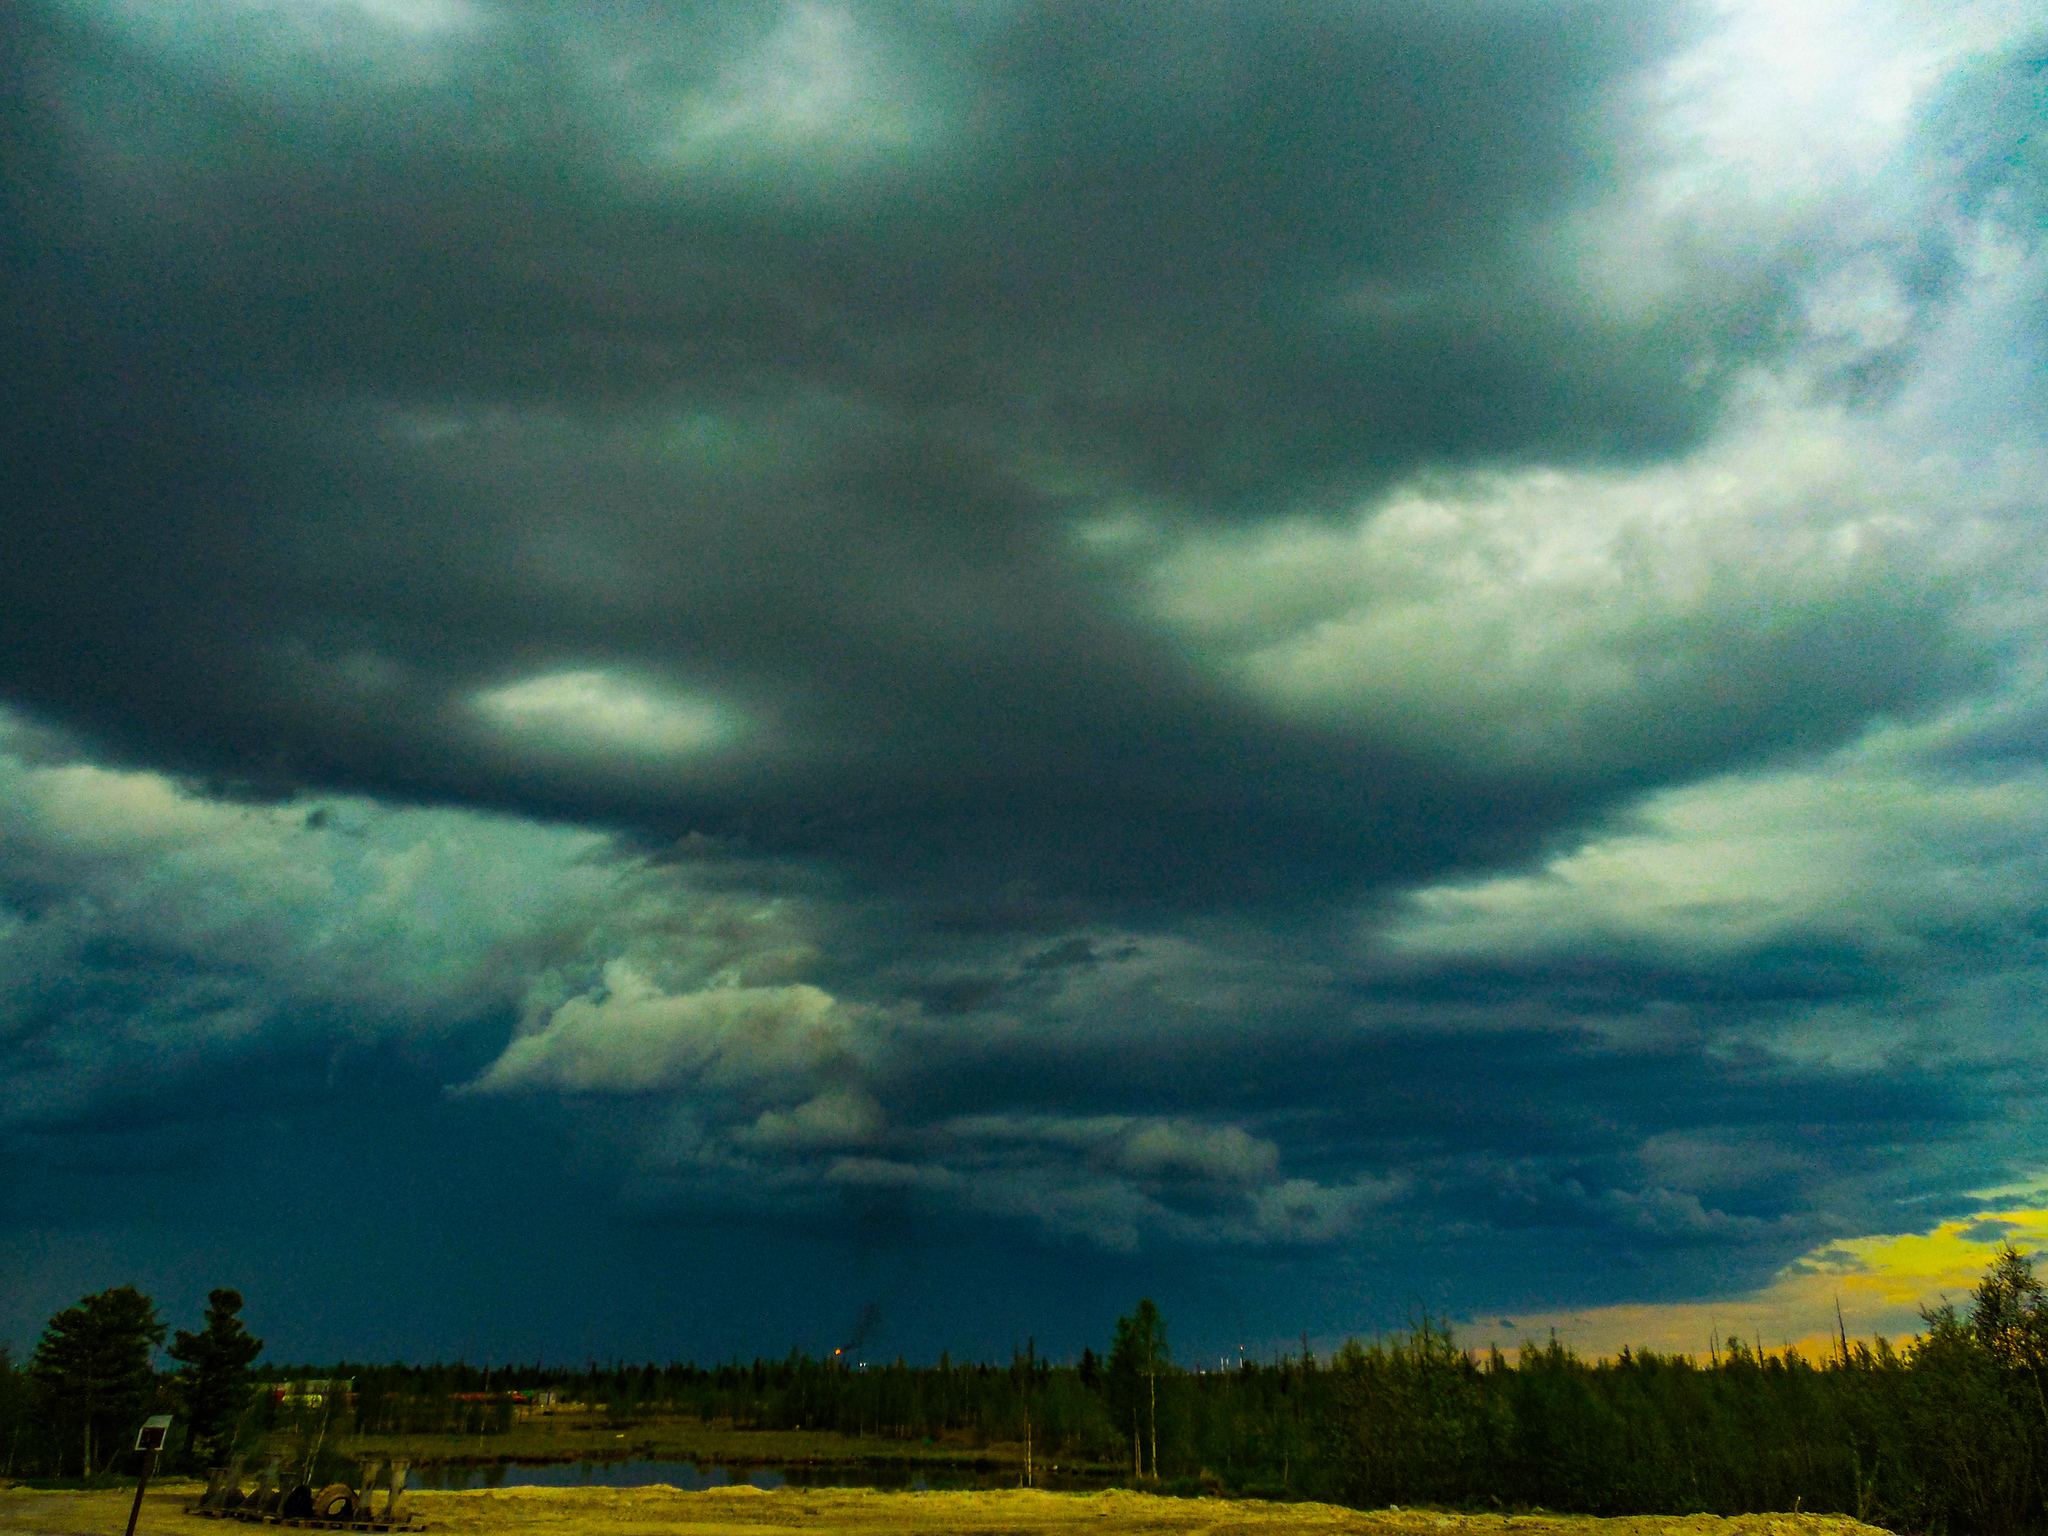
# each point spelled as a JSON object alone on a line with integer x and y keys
{"x": 746, "y": 1511}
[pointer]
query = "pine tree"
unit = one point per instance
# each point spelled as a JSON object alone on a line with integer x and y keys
{"x": 1135, "y": 1361}
{"x": 214, "y": 1380}
{"x": 92, "y": 1370}
{"x": 2009, "y": 1315}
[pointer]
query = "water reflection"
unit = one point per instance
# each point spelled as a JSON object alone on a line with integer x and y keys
{"x": 686, "y": 1475}
{"x": 691, "y": 1478}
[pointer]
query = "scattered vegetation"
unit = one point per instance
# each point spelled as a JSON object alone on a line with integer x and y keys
{"x": 1948, "y": 1433}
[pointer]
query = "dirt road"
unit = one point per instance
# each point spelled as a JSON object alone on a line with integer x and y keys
{"x": 746, "y": 1511}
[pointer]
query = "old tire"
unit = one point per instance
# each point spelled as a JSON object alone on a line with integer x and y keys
{"x": 337, "y": 1501}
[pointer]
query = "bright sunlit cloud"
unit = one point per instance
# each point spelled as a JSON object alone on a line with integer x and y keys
{"x": 1864, "y": 853}
{"x": 1548, "y": 618}
{"x": 598, "y": 713}
{"x": 819, "y": 88}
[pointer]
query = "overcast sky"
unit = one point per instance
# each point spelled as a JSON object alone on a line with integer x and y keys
{"x": 667, "y": 669}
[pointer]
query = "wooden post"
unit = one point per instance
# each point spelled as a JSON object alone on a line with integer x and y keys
{"x": 269, "y": 1483}
{"x": 142, "y": 1482}
{"x": 232, "y": 1482}
{"x": 397, "y": 1493}
{"x": 366, "y": 1485}
{"x": 150, "y": 1441}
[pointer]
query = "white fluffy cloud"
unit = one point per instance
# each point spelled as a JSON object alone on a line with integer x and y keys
{"x": 781, "y": 1091}
{"x": 144, "y": 922}
{"x": 1557, "y": 622}
{"x": 1876, "y": 847}
{"x": 399, "y": 903}
{"x": 631, "y": 1037}
{"x": 594, "y": 713}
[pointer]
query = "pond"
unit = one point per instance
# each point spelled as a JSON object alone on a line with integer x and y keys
{"x": 693, "y": 1478}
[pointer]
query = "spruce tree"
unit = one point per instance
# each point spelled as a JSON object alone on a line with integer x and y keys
{"x": 213, "y": 1379}
{"x": 92, "y": 1371}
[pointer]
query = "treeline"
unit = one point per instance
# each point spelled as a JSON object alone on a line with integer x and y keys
{"x": 1948, "y": 1433}
{"x": 77, "y": 1405}
{"x": 981, "y": 1402}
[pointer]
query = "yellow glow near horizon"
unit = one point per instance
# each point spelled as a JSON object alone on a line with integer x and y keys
{"x": 1880, "y": 1282}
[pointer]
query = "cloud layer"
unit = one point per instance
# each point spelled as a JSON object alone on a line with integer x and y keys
{"x": 1327, "y": 636}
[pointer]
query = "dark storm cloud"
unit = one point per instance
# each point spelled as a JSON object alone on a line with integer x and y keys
{"x": 1106, "y": 202}
{"x": 351, "y": 383}
{"x": 1621, "y": 1129}
{"x": 1343, "y": 635}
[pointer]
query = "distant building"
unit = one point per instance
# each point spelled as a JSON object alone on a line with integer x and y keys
{"x": 313, "y": 1393}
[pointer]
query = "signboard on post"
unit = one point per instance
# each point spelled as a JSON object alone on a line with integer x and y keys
{"x": 150, "y": 1441}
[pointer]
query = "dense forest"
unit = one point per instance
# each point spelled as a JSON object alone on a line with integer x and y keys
{"x": 1948, "y": 1433}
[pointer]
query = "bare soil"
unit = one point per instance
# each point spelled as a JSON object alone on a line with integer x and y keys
{"x": 747, "y": 1511}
